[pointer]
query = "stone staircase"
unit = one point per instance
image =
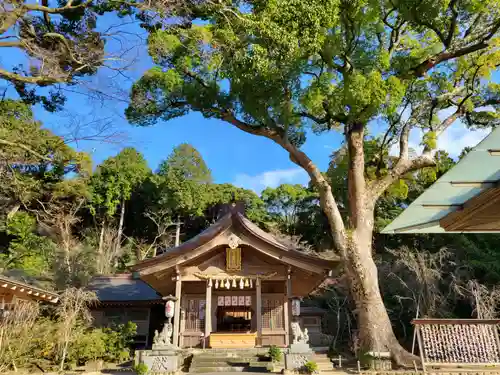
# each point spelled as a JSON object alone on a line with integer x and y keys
{"x": 228, "y": 361}
{"x": 325, "y": 365}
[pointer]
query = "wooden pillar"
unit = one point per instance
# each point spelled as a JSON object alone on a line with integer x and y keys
{"x": 258, "y": 313}
{"x": 208, "y": 312}
{"x": 182, "y": 328}
{"x": 287, "y": 308}
{"x": 177, "y": 312}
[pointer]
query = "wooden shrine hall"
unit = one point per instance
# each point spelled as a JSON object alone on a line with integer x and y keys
{"x": 234, "y": 284}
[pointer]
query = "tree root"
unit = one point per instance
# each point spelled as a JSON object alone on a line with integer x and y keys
{"x": 403, "y": 358}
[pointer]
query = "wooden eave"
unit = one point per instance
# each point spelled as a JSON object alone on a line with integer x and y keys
{"x": 25, "y": 290}
{"x": 480, "y": 213}
{"x": 212, "y": 237}
{"x": 101, "y": 304}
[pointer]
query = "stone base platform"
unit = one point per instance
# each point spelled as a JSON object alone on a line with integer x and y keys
{"x": 160, "y": 361}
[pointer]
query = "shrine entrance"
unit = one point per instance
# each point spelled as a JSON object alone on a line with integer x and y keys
{"x": 234, "y": 314}
{"x": 234, "y": 319}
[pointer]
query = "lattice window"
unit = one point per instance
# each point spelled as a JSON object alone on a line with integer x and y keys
{"x": 272, "y": 314}
{"x": 195, "y": 315}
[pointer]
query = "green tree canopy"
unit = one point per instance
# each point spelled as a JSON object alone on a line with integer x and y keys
{"x": 35, "y": 162}
{"x": 115, "y": 179}
{"x": 182, "y": 180}
{"x": 286, "y": 203}
{"x": 224, "y": 193}
{"x": 60, "y": 41}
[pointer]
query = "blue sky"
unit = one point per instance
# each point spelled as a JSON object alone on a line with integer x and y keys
{"x": 232, "y": 155}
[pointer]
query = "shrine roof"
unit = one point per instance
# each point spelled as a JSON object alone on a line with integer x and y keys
{"x": 236, "y": 221}
{"x": 12, "y": 285}
{"x": 462, "y": 200}
{"x": 120, "y": 288}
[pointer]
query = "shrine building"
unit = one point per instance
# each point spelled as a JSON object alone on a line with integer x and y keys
{"x": 234, "y": 285}
{"x": 464, "y": 200}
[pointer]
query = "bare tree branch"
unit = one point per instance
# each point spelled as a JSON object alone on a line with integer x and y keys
{"x": 38, "y": 80}
{"x": 431, "y": 62}
{"x": 453, "y": 23}
{"x": 327, "y": 200}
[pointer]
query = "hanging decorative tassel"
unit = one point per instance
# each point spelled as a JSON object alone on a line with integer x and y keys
{"x": 241, "y": 283}
{"x": 216, "y": 284}
{"x": 251, "y": 283}
{"x": 210, "y": 283}
{"x": 234, "y": 283}
{"x": 227, "y": 284}
{"x": 246, "y": 283}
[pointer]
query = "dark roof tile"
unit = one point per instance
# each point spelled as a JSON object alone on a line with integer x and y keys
{"x": 122, "y": 288}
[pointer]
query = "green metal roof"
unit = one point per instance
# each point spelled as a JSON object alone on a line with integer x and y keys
{"x": 448, "y": 193}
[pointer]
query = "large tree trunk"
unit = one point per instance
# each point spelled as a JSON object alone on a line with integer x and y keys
{"x": 375, "y": 328}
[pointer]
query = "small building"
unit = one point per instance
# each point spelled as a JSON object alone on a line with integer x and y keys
{"x": 122, "y": 299}
{"x": 12, "y": 290}
{"x": 234, "y": 284}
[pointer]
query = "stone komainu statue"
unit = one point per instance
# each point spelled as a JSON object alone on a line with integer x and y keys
{"x": 163, "y": 338}
{"x": 299, "y": 336}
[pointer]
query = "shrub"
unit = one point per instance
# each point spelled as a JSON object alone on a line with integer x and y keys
{"x": 118, "y": 341}
{"x": 141, "y": 369}
{"x": 89, "y": 346}
{"x": 275, "y": 353}
{"x": 108, "y": 344}
{"x": 311, "y": 367}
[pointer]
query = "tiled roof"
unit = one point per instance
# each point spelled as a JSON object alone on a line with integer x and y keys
{"x": 120, "y": 288}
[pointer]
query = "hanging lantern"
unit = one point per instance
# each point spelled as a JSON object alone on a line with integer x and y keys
{"x": 246, "y": 283}
{"x": 234, "y": 283}
{"x": 251, "y": 283}
{"x": 295, "y": 306}
{"x": 241, "y": 283}
{"x": 216, "y": 284}
{"x": 169, "y": 306}
{"x": 227, "y": 284}
{"x": 210, "y": 283}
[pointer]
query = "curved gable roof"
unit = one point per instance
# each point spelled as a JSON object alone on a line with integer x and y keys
{"x": 241, "y": 225}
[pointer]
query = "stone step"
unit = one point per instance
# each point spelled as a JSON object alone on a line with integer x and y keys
{"x": 198, "y": 370}
{"x": 237, "y": 364}
{"x": 322, "y": 359}
{"x": 251, "y": 351}
{"x": 229, "y": 360}
{"x": 204, "y": 361}
{"x": 325, "y": 366}
{"x": 224, "y": 356}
